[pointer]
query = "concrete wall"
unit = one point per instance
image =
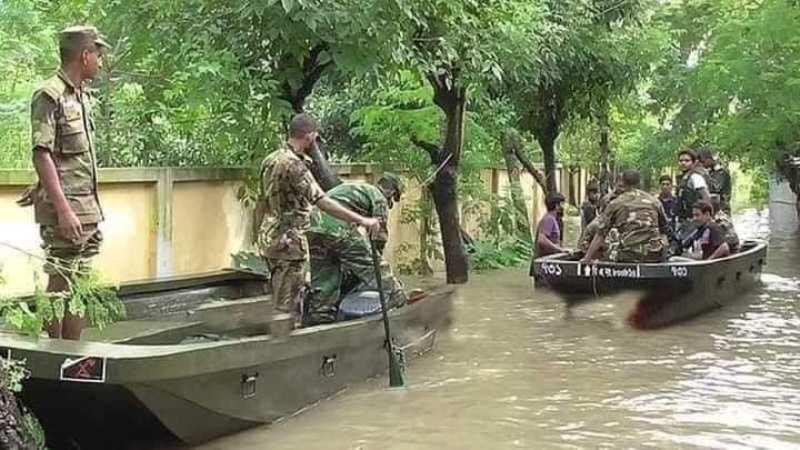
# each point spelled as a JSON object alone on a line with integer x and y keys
{"x": 175, "y": 221}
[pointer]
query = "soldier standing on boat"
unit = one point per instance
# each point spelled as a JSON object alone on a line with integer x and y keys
{"x": 640, "y": 221}
{"x": 721, "y": 185}
{"x": 338, "y": 251}
{"x": 66, "y": 204}
{"x": 290, "y": 191}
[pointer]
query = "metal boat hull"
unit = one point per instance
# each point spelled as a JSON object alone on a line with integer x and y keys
{"x": 196, "y": 392}
{"x": 670, "y": 291}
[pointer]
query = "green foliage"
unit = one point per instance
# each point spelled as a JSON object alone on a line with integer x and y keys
{"x": 86, "y": 297}
{"x": 499, "y": 253}
{"x": 12, "y": 374}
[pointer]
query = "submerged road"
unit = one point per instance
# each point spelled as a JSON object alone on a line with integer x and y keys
{"x": 516, "y": 371}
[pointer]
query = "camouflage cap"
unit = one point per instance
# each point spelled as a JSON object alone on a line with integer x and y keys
{"x": 80, "y": 33}
{"x": 392, "y": 180}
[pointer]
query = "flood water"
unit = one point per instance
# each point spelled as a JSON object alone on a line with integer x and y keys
{"x": 516, "y": 371}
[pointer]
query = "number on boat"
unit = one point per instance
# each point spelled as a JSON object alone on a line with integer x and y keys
{"x": 680, "y": 271}
{"x": 551, "y": 269}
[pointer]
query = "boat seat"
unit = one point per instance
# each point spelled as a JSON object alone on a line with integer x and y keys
{"x": 143, "y": 332}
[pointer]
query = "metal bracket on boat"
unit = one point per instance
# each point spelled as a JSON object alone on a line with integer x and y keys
{"x": 249, "y": 385}
{"x": 328, "y": 366}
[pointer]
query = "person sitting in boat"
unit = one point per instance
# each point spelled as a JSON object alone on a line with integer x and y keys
{"x": 709, "y": 242}
{"x": 640, "y": 221}
{"x": 725, "y": 224}
{"x": 548, "y": 231}
{"x": 589, "y": 207}
{"x": 339, "y": 252}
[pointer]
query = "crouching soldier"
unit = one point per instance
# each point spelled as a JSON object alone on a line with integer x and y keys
{"x": 339, "y": 252}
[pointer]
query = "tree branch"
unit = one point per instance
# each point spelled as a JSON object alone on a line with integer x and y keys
{"x": 535, "y": 173}
{"x": 433, "y": 150}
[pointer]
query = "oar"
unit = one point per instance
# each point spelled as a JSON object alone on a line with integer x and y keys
{"x": 396, "y": 375}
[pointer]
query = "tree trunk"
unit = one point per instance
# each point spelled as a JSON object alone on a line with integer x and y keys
{"x": 452, "y": 99}
{"x": 605, "y": 155}
{"x": 548, "y": 144}
{"x": 512, "y": 143}
{"x": 325, "y": 175}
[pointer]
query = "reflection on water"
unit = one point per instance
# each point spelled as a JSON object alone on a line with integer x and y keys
{"x": 516, "y": 371}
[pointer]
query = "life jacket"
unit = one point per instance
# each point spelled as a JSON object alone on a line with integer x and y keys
{"x": 688, "y": 197}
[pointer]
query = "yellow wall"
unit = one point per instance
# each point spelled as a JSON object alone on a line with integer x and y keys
{"x": 179, "y": 221}
{"x": 209, "y": 224}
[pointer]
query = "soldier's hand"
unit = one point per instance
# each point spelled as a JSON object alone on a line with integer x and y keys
{"x": 372, "y": 225}
{"x": 69, "y": 227}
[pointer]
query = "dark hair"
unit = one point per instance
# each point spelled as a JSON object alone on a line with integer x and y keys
{"x": 691, "y": 153}
{"x": 301, "y": 125}
{"x": 704, "y": 207}
{"x": 72, "y": 45}
{"x": 705, "y": 154}
{"x": 552, "y": 200}
{"x": 664, "y": 178}
{"x": 631, "y": 178}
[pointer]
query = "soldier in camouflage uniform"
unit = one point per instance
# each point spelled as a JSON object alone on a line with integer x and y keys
{"x": 640, "y": 221}
{"x": 290, "y": 191}
{"x": 719, "y": 178}
{"x": 725, "y": 224}
{"x": 66, "y": 204}
{"x": 339, "y": 251}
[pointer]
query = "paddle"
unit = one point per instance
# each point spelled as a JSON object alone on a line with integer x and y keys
{"x": 396, "y": 375}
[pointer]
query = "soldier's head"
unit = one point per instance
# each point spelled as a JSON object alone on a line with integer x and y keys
{"x": 303, "y": 132}
{"x": 702, "y": 212}
{"x": 81, "y": 49}
{"x": 686, "y": 159}
{"x": 630, "y": 179}
{"x": 554, "y": 203}
{"x": 592, "y": 191}
{"x": 665, "y": 181}
{"x": 706, "y": 157}
{"x": 392, "y": 187}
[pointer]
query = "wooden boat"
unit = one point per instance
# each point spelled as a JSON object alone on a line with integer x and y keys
{"x": 193, "y": 361}
{"x": 678, "y": 289}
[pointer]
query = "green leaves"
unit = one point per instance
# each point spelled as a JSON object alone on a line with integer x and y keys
{"x": 87, "y": 297}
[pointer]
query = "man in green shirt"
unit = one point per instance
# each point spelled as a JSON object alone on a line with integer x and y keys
{"x": 339, "y": 251}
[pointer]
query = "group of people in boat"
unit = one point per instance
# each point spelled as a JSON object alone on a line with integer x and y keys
{"x": 629, "y": 224}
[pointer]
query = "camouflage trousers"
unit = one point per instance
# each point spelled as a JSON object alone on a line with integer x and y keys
{"x": 649, "y": 252}
{"x": 65, "y": 257}
{"x": 335, "y": 259}
{"x": 288, "y": 278}
{"x": 610, "y": 245}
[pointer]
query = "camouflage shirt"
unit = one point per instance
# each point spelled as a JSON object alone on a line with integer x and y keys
{"x": 365, "y": 199}
{"x": 640, "y": 221}
{"x": 728, "y": 232}
{"x": 61, "y": 123}
{"x": 290, "y": 191}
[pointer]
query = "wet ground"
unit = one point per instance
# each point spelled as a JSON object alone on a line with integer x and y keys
{"x": 515, "y": 371}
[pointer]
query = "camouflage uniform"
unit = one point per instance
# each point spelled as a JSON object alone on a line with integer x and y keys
{"x": 62, "y": 124}
{"x": 639, "y": 219}
{"x": 720, "y": 185}
{"x": 339, "y": 250}
{"x": 290, "y": 191}
{"x": 728, "y": 232}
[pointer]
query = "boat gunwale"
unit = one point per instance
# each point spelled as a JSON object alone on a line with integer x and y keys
{"x": 759, "y": 246}
{"x": 122, "y": 352}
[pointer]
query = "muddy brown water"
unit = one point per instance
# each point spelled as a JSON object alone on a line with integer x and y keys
{"x": 517, "y": 371}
